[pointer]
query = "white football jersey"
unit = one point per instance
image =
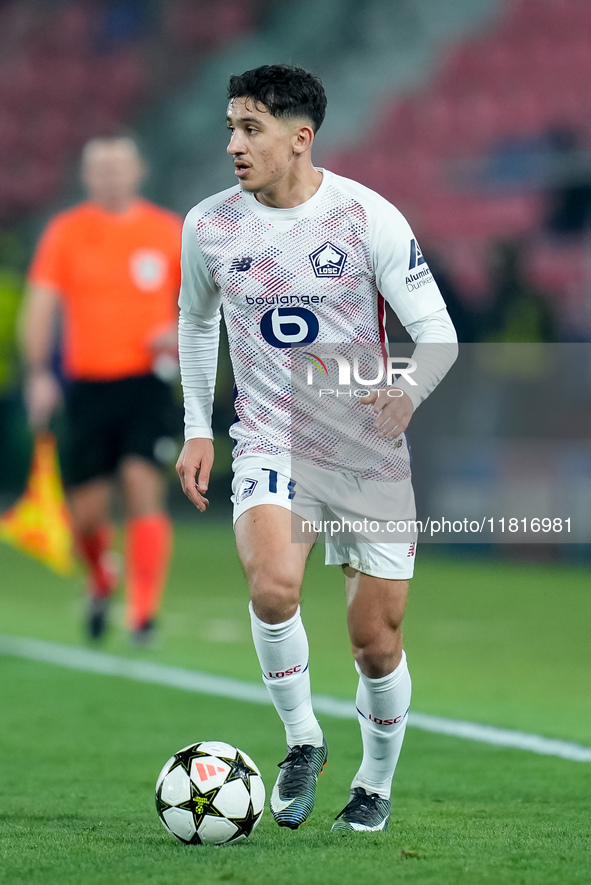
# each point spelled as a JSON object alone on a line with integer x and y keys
{"x": 314, "y": 275}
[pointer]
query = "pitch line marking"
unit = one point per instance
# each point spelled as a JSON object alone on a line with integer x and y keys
{"x": 89, "y": 661}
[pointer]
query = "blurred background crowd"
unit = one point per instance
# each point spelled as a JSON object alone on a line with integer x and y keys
{"x": 472, "y": 116}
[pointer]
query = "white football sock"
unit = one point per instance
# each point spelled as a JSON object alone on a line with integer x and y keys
{"x": 382, "y": 707}
{"x": 282, "y": 650}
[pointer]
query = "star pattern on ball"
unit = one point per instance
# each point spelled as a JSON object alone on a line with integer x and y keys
{"x": 239, "y": 770}
{"x": 246, "y": 824}
{"x": 185, "y": 757}
{"x": 161, "y": 805}
{"x": 201, "y": 804}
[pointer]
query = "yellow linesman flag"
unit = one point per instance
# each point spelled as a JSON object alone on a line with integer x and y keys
{"x": 39, "y": 524}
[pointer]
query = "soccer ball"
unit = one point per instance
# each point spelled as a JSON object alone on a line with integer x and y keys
{"x": 210, "y": 793}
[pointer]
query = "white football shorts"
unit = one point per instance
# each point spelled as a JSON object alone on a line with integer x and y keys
{"x": 368, "y": 525}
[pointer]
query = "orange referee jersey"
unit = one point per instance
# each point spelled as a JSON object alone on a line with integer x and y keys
{"x": 118, "y": 277}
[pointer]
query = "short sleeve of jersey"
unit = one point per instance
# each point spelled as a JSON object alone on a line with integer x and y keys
{"x": 200, "y": 297}
{"x": 403, "y": 277}
{"x": 49, "y": 262}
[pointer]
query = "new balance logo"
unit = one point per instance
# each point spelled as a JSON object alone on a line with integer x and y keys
{"x": 416, "y": 256}
{"x": 240, "y": 264}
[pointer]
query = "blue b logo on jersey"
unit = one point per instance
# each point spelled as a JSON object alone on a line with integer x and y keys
{"x": 286, "y": 326}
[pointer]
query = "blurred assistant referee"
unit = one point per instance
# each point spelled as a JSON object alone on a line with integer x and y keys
{"x": 111, "y": 268}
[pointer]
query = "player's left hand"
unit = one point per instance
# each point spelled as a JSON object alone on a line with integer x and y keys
{"x": 393, "y": 411}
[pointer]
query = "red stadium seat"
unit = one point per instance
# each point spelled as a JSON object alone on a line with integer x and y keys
{"x": 517, "y": 83}
{"x": 9, "y": 134}
{"x": 206, "y": 23}
{"x": 72, "y": 28}
{"x": 115, "y": 82}
{"x": 558, "y": 266}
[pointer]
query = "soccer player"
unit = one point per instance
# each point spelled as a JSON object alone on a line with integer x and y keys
{"x": 333, "y": 251}
{"x": 109, "y": 268}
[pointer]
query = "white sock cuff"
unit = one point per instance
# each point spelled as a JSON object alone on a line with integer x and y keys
{"x": 275, "y": 632}
{"x": 390, "y": 680}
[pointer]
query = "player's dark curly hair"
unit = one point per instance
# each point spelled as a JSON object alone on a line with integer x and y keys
{"x": 285, "y": 91}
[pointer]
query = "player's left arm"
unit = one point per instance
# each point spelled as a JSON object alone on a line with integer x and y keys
{"x": 434, "y": 355}
{"x": 405, "y": 281}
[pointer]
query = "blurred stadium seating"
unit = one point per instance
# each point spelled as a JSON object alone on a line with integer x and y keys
{"x": 449, "y": 114}
{"x": 445, "y": 114}
{"x": 70, "y": 70}
{"x": 499, "y": 95}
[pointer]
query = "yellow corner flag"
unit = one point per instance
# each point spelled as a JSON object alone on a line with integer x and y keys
{"x": 39, "y": 523}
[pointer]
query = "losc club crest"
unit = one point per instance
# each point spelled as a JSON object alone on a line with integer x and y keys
{"x": 328, "y": 261}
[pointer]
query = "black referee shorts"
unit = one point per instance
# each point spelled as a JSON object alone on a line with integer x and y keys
{"x": 109, "y": 420}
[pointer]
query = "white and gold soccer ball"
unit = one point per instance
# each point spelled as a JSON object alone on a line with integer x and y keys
{"x": 210, "y": 793}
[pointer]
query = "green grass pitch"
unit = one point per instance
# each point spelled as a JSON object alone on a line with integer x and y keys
{"x": 503, "y": 644}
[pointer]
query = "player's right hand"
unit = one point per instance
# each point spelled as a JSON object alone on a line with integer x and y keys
{"x": 42, "y": 395}
{"x": 193, "y": 467}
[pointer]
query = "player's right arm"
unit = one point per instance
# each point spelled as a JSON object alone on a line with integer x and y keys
{"x": 47, "y": 282}
{"x": 199, "y": 331}
{"x": 42, "y": 392}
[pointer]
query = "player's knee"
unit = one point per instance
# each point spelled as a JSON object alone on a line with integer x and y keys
{"x": 275, "y": 597}
{"x": 273, "y": 608}
{"x": 379, "y": 654}
{"x": 374, "y": 634}
{"x": 375, "y": 661}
